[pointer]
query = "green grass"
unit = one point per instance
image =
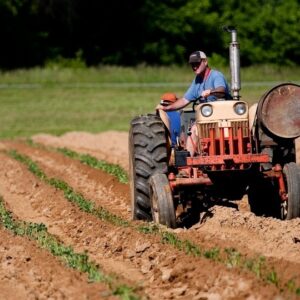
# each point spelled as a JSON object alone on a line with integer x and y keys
{"x": 56, "y": 110}
{"x": 56, "y": 101}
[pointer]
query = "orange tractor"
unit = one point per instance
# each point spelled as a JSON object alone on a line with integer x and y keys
{"x": 238, "y": 151}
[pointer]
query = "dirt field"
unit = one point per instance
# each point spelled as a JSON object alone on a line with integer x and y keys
{"x": 156, "y": 269}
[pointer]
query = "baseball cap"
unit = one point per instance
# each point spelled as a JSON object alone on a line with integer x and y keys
{"x": 196, "y": 57}
{"x": 168, "y": 97}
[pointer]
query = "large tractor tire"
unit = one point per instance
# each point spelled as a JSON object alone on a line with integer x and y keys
{"x": 291, "y": 172}
{"x": 147, "y": 156}
{"x": 162, "y": 205}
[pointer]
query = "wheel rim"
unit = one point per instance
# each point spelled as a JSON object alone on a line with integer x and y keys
{"x": 291, "y": 172}
{"x": 284, "y": 209}
{"x": 161, "y": 198}
{"x": 155, "y": 213}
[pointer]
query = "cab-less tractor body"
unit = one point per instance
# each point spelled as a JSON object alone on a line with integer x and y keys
{"x": 237, "y": 151}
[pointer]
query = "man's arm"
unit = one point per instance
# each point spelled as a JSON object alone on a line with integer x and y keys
{"x": 180, "y": 103}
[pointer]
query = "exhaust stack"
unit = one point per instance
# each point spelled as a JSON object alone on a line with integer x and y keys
{"x": 234, "y": 56}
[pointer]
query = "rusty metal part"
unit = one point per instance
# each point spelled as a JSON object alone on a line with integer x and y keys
{"x": 179, "y": 182}
{"x": 279, "y": 110}
{"x": 282, "y": 188}
{"x": 276, "y": 172}
{"x": 221, "y": 159}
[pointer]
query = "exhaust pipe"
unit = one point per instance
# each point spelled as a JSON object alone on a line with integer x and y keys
{"x": 234, "y": 56}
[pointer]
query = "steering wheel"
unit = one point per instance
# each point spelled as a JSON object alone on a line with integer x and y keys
{"x": 197, "y": 101}
{"x": 219, "y": 95}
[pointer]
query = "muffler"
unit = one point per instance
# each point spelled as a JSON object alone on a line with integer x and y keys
{"x": 234, "y": 56}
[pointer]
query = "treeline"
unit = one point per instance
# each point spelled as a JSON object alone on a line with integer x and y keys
{"x": 154, "y": 32}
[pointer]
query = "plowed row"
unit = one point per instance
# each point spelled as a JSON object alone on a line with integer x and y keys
{"x": 149, "y": 263}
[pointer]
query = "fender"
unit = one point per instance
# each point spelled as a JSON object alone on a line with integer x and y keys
{"x": 164, "y": 117}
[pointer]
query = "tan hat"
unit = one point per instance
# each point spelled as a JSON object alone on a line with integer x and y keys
{"x": 196, "y": 57}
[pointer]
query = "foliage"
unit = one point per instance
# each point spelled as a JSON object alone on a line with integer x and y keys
{"x": 268, "y": 30}
{"x": 149, "y": 31}
{"x": 184, "y": 245}
{"x": 60, "y": 62}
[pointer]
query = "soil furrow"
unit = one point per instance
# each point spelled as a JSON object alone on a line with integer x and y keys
{"x": 238, "y": 228}
{"x": 28, "y": 272}
{"x": 224, "y": 225}
{"x": 111, "y": 146}
{"x": 160, "y": 269}
{"x": 91, "y": 183}
{"x": 33, "y": 201}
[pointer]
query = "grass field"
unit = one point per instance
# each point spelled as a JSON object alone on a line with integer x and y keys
{"x": 105, "y": 98}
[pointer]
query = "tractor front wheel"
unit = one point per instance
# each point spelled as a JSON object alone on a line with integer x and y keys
{"x": 162, "y": 205}
{"x": 148, "y": 146}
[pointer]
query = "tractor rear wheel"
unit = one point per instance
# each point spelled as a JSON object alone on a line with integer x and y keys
{"x": 291, "y": 174}
{"x": 162, "y": 205}
{"x": 147, "y": 156}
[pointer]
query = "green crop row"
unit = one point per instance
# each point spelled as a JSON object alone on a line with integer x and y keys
{"x": 77, "y": 261}
{"x": 69, "y": 193}
{"x": 93, "y": 162}
{"x": 228, "y": 256}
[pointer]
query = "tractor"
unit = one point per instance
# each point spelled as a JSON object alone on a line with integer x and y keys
{"x": 240, "y": 151}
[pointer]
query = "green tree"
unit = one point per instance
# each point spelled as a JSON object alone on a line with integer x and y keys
{"x": 147, "y": 31}
{"x": 268, "y": 30}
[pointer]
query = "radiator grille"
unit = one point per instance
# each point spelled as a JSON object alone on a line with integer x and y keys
{"x": 205, "y": 128}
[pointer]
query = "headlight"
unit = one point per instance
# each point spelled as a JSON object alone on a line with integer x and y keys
{"x": 206, "y": 110}
{"x": 240, "y": 108}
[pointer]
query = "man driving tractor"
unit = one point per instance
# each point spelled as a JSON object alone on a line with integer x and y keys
{"x": 208, "y": 85}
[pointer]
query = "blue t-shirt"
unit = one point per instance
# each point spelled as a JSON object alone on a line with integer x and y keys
{"x": 215, "y": 79}
{"x": 174, "y": 117}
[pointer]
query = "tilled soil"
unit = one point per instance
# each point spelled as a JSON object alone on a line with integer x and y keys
{"x": 156, "y": 269}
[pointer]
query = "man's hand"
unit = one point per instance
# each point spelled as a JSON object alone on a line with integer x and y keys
{"x": 218, "y": 92}
{"x": 180, "y": 103}
{"x": 159, "y": 106}
{"x": 206, "y": 93}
